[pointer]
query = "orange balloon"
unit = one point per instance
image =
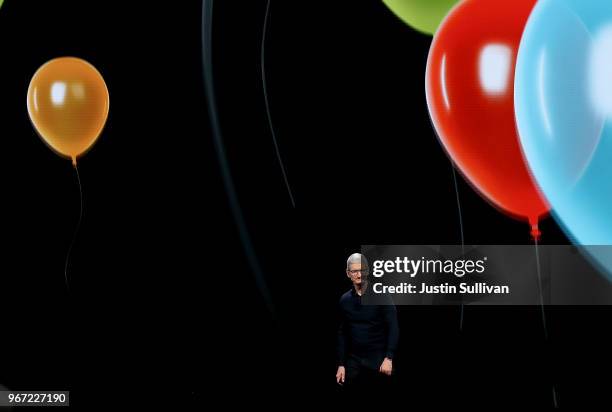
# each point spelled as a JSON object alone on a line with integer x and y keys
{"x": 68, "y": 104}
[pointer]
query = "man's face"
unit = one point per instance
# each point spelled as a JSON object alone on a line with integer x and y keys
{"x": 355, "y": 272}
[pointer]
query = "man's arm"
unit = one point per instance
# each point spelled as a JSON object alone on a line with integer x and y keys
{"x": 390, "y": 315}
{"x": 390, "y": 318}
{"x": 341, "y": 348}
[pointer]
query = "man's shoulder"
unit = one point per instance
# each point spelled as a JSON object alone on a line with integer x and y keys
{"x": 346, "y": 295}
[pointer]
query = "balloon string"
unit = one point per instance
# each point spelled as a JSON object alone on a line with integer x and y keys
{"x": 461, "y": 232}
{"x": 535, "y": 240}
{"x": 267, "y": 105}
{"x": 76, "y": 230}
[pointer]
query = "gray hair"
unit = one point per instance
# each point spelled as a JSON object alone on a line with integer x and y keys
{"x": 356, "y": 258}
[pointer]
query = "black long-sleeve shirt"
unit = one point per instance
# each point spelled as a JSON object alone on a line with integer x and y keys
{"x": 369, "y": 332}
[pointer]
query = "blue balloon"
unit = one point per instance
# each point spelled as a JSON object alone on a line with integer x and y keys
{"x": 563, "y": 105}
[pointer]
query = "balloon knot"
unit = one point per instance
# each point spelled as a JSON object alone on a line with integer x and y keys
{"x": 535, "y": 232}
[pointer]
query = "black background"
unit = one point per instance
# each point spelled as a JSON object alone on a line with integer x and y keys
{"x": 162, "y": 302}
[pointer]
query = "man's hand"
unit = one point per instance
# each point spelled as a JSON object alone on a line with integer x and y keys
{"x": 386, "y": 367}
{"x": 340, "y": 375}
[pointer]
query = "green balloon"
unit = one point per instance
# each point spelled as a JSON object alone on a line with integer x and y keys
{"x": 422, "y": 15}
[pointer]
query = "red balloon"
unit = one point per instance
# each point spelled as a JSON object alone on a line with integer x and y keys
{"x": 470, "y": 94}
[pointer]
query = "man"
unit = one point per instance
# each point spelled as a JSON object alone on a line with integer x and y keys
{"x": 368, "y": 334}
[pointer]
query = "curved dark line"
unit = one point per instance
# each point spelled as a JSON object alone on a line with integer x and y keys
{"x": 537, "y": 253}
{"x": 452, "y": 163}
{"x": 458, "y": 206}
{"x": 462, "y": 307}
{"x": 207, "y": 30}
{"x": 76, "y": 230}
{"x": 267, "y": 104}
